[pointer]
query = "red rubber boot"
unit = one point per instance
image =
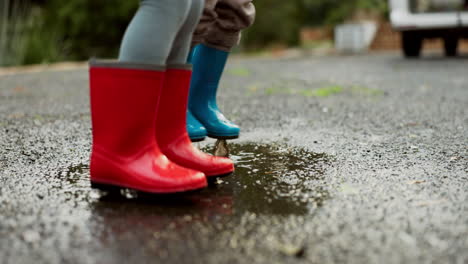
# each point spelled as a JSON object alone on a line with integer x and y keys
{"x": 125, "y": 154}
{"x": 175, "y": 142}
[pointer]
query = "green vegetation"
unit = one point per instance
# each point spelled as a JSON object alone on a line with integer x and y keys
{"x": 319, "y": 92}
{"x": 55, "y": 30}
{"x": 324, "y": 91}
{"x": 278, "y": 22}
{"x": 12, "y": 24}
{"x": 278, "y": 90}
{"x": 239, "y": 72}
{"x": 366, "y": 91}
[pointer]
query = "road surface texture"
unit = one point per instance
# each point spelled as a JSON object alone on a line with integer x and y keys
{"x": 359, "y": 159}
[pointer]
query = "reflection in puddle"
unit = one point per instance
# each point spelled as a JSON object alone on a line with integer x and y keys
{"x": 275, "y": 180}
{"x": 269, "y": 179}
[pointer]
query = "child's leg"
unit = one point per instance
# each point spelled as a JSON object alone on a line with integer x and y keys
{"x": 150, "y": 35}
{"x": 179, "y": 55}
{"x": 206, "y": 22}
{"x": 218, "y": 31}
{"x": 222, "y": 23}
{"x": 172, "y": 111}
{"x": 124, "y": 102}
{"x": 183, "y": 39}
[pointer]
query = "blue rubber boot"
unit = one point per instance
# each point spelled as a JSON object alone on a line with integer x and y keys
{"x": 197, "y": 132}
{"x": 208, "y": 66}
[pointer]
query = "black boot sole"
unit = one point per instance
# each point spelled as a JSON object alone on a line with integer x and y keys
{"x": 116, "y": 189}
{"x": 223, "y": 137}
{"x": 198, "y": 139}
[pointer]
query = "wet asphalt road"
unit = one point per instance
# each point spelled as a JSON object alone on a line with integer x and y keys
{"x": 341, "y": 160}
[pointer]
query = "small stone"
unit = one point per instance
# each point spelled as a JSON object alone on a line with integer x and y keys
{"x": 31, "y": 236}
{"x": 416, "y": 182}
{"x": 221, "y": 148}
{"x": 219, "y": 181}
{"x": 94, "y": 194}
{"x": 129, "y": 194}
{"x": 293, "y": 250}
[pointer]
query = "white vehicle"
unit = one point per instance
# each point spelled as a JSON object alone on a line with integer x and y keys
{"x": 420, "y": 19}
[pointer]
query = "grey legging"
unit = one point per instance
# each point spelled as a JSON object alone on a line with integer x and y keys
{"x": 161, "y": 32}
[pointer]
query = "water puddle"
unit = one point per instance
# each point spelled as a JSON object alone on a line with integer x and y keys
{"x": 274, "y": 179}
{"x": 269, "y": 179}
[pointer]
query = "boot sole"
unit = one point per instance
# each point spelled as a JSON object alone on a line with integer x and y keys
{"x": 223, "y": 137}
{"x": 197, "y": 139}
{"x": 116, "y": 189}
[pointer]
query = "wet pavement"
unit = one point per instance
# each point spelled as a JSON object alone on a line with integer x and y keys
{"x": 341, "y": 160}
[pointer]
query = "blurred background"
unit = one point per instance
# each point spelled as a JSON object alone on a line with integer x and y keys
{"x": 46, "y": 31}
